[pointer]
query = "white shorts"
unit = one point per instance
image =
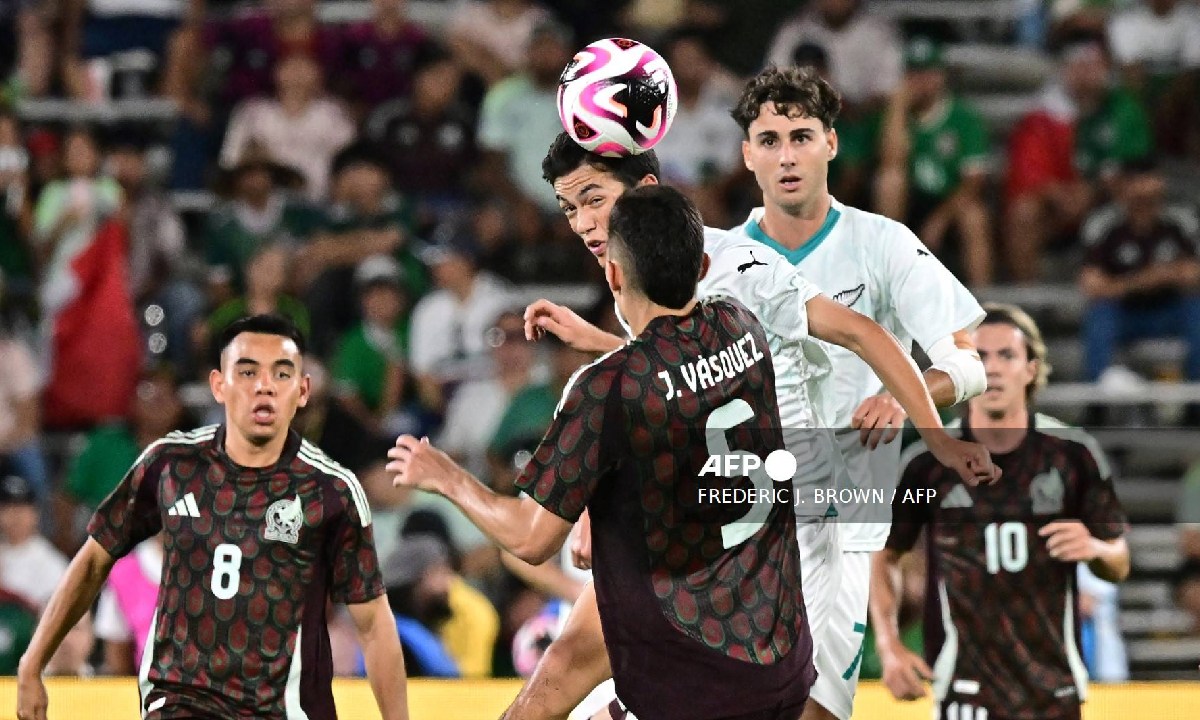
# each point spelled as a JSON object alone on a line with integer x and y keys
{"x": 840, "y": 646}
{"x": 596, "y": 701}
{"x": 820, "y": 561}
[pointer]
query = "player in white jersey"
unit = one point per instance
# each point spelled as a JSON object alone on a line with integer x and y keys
{"x": 791, "y": 310}
{"x": 878, "y": 268}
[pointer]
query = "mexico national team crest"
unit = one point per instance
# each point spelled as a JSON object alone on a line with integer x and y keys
{"x": 284, "y": 519}
{"x": 1046, "y": 492}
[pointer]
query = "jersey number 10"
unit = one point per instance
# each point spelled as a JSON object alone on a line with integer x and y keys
{"x": 1006, "y": 546}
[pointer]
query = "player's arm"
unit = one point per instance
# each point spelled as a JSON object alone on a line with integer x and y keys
{"x": 1097, "y": 535}
{"x": 835, "y": 323}
{"x": 544, "y": 316}
{"x": 547, "y": 578}
{"x": 376, "y": 627}
{"x": 904, "y": 671}
{"x": 883, "y": 416}
{"x": 519, "y": 525}
{"x": 74, "y": 596}
{"x": 1071, "y": 541}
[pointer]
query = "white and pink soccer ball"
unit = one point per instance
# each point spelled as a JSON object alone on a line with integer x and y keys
{"x": 617, "y": 97}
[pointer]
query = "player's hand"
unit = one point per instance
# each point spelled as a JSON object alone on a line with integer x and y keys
{"x": 31, "y": 697}
{"x": 905, "y": 674}
{"x": 971, "y": 461}
{"x": 581, "y": 543}
{"x": 543, "y": 316}
{"x": 878, "y": 419}
{"x": 420, "y": 465}
{"x": 1069, "y": 541}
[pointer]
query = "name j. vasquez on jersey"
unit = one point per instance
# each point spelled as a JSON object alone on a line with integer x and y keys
{"x": 701, "y": 374}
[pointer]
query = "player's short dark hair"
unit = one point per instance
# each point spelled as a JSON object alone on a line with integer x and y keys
{"x": 660, "y": 235}
{"x": 565, "y": 156}
{"x": 1035, "y": 344}
{"x": 261, "y": 324}
{"x": 798, "y": 92}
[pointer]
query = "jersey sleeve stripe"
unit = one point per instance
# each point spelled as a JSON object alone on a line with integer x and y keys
{"x": 313, "y": 455}
{"x": 1053, "y": 426}
{"x": 193, "y": 437}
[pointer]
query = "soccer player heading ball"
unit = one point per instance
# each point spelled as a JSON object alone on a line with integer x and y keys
{"x": 260, "y": 530}
{"x": 730, "y": 631}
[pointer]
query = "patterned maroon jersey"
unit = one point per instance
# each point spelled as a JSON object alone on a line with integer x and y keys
{"x": 1001, "y": 616}
{"x": 700, "y": 603}
{"x": 251, "y": 555}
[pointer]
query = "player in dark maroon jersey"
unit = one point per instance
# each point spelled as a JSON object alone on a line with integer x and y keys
{"x": 699, "y": 600}
{"x": 260, "y": 528}
{"x": 1000, "y": 604}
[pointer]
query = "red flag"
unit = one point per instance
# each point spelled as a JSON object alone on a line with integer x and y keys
{"x": 95, "y": 340}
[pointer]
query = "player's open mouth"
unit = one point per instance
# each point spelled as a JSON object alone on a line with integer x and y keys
{"x": 790, "y": 182}
{"x": 264, "y": 413}
{"x": 596, "y": 247}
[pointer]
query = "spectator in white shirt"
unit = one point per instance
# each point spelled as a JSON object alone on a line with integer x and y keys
{"x": 1157, "y": 46}
{"x": 477, "y": 406}
{"x": 490, "y": 38}
{"x": 865, "y": 56}
{"x": 448, "y": 335}
{"x": 299, "y": 127}
{"x": 29, "y": 565}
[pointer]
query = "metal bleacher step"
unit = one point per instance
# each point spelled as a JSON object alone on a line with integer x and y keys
{"x": 1154, "y": 548}
{"x": 1139, "y": 593}
{"x": 1164, "y": 658}
{"x": 997, "y": 68}
{"x": 1155, "y": 621}
{"x": 1148, "y": 499}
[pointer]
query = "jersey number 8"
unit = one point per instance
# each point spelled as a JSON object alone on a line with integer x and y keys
{"x": 227, "y": 568}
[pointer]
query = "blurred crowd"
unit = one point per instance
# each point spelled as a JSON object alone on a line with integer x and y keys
{"x": 378, "y": 181}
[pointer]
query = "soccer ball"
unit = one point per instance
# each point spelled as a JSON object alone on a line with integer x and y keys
{"x": 617, "y": 97}
{"x": 532, "y": 639}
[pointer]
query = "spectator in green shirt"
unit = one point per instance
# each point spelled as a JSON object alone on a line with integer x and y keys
{"x": 267, "y": 274}
{"x": 367, "y": 218}
{"x": 934, "y": 153}
{"x": 17, "y": 621}
{"x": 370, "y": 376}
{"x": 260, "y": 209}
{"x": 529, "y": 413}
{"x": 110, "y": 450}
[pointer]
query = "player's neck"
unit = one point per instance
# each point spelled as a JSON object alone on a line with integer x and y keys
{"x": 794, "y": 229}
{"x": 640, "y": 312}
{"x": 248, "y": 454}
{"x": 999, "y": 433}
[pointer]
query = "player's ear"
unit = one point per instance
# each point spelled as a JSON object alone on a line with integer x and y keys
{"x": 831, "y": 139}
{"x": 305, "y": 389}
{"x": 1031, "y": 371}
{"x": 647, "y": 179}
{"x": 705, "y": 264}
{"x": 612, "y": 275}
{"x": 215, "y": 384}
{"x": 746, "y": 155}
